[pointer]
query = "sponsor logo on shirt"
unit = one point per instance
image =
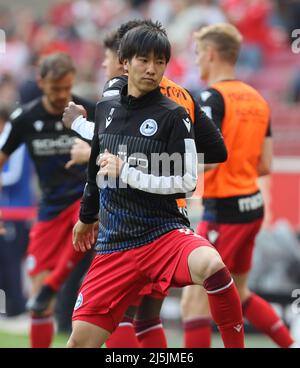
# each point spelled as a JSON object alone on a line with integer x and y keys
{"x": 50, "y": 147}
{"x": 250, "y": 203}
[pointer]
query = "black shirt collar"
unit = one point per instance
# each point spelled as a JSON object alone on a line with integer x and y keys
{"x": 136, "y": 102}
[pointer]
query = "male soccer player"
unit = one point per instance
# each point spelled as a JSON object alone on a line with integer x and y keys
{"x": 39, "y": 125}
{"x": 143, "y": 237}
{"x": 147, "y": 321}
{"x": 233, "y": 204}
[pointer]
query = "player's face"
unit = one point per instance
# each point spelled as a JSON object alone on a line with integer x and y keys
{"x": 144, "y": 73}
{"x": 111, "y": 64}
{"x": 202, "y": 60}
{"x": 58, "y": 92}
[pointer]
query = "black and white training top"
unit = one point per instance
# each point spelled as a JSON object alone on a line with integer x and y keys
{"x": 49, "y": 144}
{"x": 140, "y": 206}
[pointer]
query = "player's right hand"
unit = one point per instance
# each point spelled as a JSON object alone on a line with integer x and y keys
{"x": 80, "y": 153}
{"x": 84, "y": 236}
{"x": 72, "y": 111}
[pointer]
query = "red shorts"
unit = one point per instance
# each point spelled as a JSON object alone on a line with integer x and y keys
{"x": 48, "y": 240}
{"x": 115, "y": 280}
{"x": 151, "y": 290}
{"x": 234, "y": 242}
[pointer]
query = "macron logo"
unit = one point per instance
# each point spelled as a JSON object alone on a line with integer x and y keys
{"x": 187, "y": 123}
{"x": 108, "y": 120}
{"x": 238, "y": 328}
{"x": 112, "y": 82}
{"x": 205, "y": 95}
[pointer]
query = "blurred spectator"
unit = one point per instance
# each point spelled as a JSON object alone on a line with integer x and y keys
{"x": 252, "y": 18}
{"x": 290, "y": 11}
{"x": 8, "y": 93}
{"x": 191, "y": 16}
{"x": 16, "y": 191}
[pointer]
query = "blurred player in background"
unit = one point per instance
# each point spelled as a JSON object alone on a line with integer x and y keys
{"x": 16, "y": 201}
{"x": 233, "y": 204}
{"x": 39, "y": 125}
{"x": 147, "y": 323}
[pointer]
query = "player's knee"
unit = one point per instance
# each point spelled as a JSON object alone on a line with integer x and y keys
{"x": 77, "y": 342}
{"x": 203, "y": 263}
{"x": 213, "y": 264}
{"x": 72, "y": 343}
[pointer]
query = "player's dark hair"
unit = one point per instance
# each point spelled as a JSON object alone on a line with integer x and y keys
{"x": 144, "y": 39}
{"x": 125, "y": 27}
{"x": 112, "y": 41}
{"x": 56, "y": 66}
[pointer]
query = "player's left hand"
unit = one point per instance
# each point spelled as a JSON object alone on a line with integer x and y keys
{"x": 84, "y": 236}
{"x": 110, "y": 165}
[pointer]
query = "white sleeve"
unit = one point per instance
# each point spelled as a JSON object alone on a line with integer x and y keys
{"x": 83, "y": 127}
{"x": 15, "y": 167}
{"x": 165, "y": 185}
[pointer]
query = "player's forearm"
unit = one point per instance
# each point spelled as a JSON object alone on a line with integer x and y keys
{"x": 83, "y": 127}
{"x": 89, "y": 207}
{"x": 209, "y": 140}
{"x": 165, "y": 184}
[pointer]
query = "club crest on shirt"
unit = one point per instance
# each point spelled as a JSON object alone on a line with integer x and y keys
{"x": 213, "y": 236}
{"x": 38, "y": 125}
{"x": 79, "y": 301}
{"x": 149, "y": 127}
